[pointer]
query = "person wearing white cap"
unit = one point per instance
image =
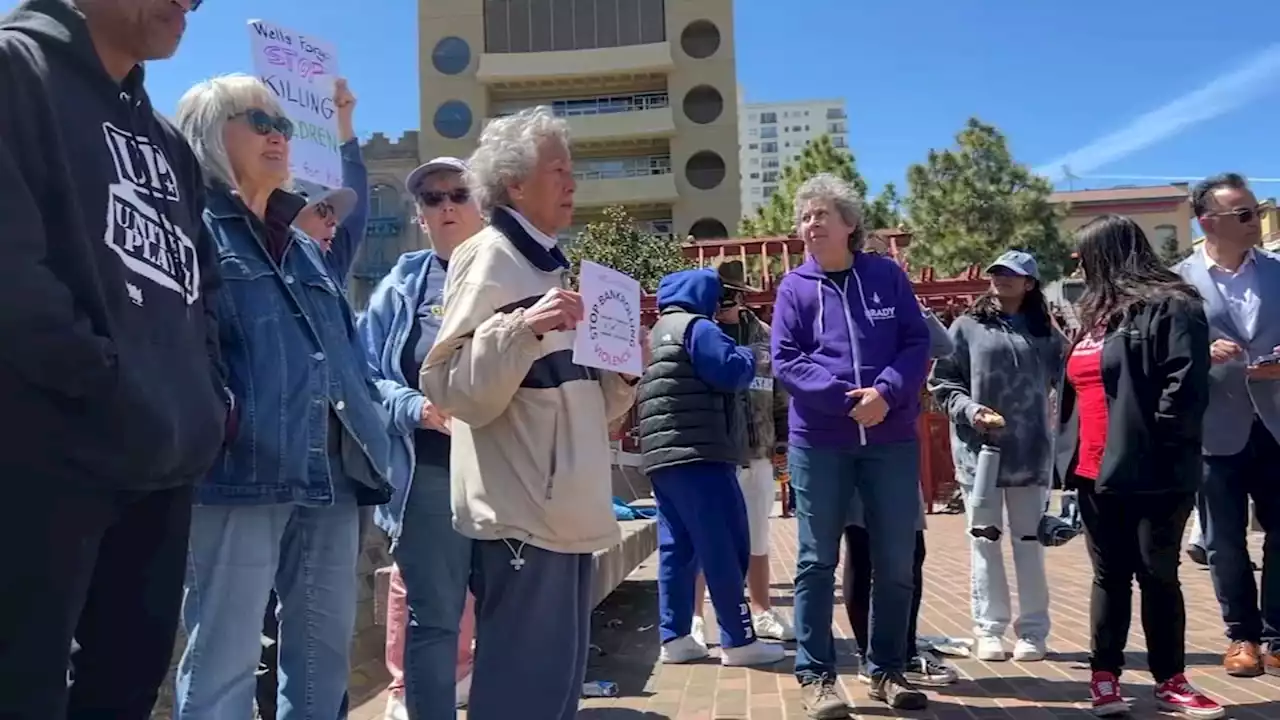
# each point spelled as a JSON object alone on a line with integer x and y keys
{"x": 433, "y": 561}
{"x": 995, "y": 387}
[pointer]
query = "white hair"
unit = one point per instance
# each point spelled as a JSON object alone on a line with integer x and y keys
{"x": 205, "y": 109}
{"x": 827, "y": 188}
{"x": 508, "y": 152}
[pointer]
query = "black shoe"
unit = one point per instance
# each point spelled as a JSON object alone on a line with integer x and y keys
{"x": 894, "y": 690}
{"x": 1197, "y": 555}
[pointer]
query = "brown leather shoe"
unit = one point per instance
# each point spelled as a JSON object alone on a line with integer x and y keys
{"x": 1271, "y": 659}
{"x": 1243, "y": 659}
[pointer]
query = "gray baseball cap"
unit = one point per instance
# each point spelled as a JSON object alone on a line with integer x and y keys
{"x": 1019, "y": 262}
{"x": 445, "y": 163}
{"x": 342, "y": 200}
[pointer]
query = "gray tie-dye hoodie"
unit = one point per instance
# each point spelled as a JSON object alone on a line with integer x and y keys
{"x": 998, "y": 364}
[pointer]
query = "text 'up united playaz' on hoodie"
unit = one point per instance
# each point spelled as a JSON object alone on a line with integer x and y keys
{"x": 108, "y": 359}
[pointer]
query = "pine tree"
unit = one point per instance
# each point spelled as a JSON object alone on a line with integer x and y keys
{"x": 777, "y": 216}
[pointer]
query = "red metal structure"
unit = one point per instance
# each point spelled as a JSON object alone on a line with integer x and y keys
{"x": 768, "y": 259}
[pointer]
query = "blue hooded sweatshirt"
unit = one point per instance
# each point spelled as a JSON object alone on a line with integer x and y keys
{"x": 717, "y": 360}
{"x": 830, "y": 339}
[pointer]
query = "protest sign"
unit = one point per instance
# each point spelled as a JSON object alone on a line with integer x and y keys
{"x": 300, "y": 70}
{"x": 609, "y": 335}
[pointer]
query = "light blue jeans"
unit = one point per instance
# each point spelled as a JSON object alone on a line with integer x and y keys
{"x": 989, "y": 588}
{"x": 237, "y": 554}
{"x": 435, "y": 562}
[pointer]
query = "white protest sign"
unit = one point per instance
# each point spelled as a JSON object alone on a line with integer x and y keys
{"x": 300, "y": 70}
{"x": 609, "y": 335}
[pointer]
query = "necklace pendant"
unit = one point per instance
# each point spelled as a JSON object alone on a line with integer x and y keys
{"x": 517, "y": 563}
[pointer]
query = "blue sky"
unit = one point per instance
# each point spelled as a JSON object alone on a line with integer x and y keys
{"x": 1053, "y": 76}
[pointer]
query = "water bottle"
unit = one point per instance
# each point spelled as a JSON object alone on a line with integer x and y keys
{"x": 985, "y": 516}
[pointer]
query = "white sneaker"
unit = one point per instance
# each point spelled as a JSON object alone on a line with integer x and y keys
{"x": 1027, "y": 650}
{"x": 757, "y": 653}
{"x": 699, "y": 631}
{"x": 770, "y": 624}
{"x": 991, "y": 649}
{"x": 396, "y": 709}
{"x": 683, "y": 650}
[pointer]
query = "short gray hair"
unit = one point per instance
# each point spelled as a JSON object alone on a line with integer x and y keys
{"x": 826, "y": 187}
{"x": 205, "y": 110}
{"x": 508, "y": 151}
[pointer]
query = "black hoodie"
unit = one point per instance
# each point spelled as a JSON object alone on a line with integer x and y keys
{"x": 109, "y": 375}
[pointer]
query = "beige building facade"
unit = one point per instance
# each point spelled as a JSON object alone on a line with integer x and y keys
{"x": 648, "y": 88}
{"x": 1162, "y": 211}
{"x": 392, "y": 228}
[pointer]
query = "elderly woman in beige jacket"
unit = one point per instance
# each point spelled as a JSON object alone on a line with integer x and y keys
{"x": 530, "y": 457}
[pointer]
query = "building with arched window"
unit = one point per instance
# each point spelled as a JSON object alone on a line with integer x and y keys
{"x": 391, "y": 230}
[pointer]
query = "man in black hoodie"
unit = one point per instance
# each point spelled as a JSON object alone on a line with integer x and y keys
{"x": 108, "y": 362}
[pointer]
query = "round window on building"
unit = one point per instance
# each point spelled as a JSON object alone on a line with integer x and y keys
{"x": 708, "y": 229}
{"x": 451, "y": 55}
{"x": 705, "y": 169}
{"x": 452, "y": 119}
{"x": 700, "y": 39}
{"x": 703, "y": 104}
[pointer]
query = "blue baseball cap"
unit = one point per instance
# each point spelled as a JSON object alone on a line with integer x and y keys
{"x": 1019, "y": 262}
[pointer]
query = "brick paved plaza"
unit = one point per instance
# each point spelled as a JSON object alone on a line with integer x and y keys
{"x": 627, "y": 652}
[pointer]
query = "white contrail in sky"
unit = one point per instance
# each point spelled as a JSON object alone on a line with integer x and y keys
{"x": 1222, "y": 95}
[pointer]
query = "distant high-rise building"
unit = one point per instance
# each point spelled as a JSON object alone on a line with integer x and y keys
{"x": 771, "y": 135}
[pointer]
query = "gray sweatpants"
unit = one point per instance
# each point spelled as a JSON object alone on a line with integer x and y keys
{"x": 533, "y": 629}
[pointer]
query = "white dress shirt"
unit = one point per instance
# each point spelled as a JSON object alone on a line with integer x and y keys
{"x": 545, "y": 240}
{"x": 1240, "y": 291}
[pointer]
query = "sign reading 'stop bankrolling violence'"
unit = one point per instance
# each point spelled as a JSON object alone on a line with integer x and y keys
{"x": 300, "y": 69}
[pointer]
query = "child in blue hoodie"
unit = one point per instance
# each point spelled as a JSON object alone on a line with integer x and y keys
{"x": 691, "y": 403}
{"x": 852, "y": 349}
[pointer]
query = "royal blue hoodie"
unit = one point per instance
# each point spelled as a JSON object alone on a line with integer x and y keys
{"x": 717, "y": 360}
{"x": 830, "y": 339}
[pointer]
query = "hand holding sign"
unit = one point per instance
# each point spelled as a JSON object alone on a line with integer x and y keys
{"x": 559, "y": 309}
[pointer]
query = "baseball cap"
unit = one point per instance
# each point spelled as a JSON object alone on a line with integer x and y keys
{"x": 420, "y": 173}
{"x": 1019, "y": 262}
{"x": 342, "y": 200}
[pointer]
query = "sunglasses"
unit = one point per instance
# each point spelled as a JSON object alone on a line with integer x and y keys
{"x": 195, "y": 5}
{"x": 435, "y": 198}
{"x": 1244, "y": 215}
{"x": 264, "y": 123}
{"x": 325, "y": 211}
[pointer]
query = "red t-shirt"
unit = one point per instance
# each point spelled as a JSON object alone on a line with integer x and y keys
{"x": 1084, "y": 372}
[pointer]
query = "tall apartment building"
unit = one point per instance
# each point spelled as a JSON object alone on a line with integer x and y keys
{"x": 648, "y": 88}
{"x": 771, "y": 135}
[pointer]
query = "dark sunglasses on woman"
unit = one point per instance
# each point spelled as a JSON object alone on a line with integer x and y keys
{"x": 435, "y": 198}
{"x": 264, "y": 123}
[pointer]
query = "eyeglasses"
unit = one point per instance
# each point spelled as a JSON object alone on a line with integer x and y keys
{"x": 195, "y": 5}
{"x": 435, "y": 198}
{"x": 1244, "y": 215}
{"x": 264, "y": 123}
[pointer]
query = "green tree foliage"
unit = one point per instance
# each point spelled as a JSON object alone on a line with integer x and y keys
{"x": 617, "y": 242}
{"x": 885, "y": 210}
{"x": 777, "y": 217}
{"x": 970, "y": 203}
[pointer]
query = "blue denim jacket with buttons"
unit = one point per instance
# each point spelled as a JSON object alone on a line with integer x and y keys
{"x": 293, "y": 359}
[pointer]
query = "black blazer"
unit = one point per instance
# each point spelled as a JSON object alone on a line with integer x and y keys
{"x": 1155, "y": 369}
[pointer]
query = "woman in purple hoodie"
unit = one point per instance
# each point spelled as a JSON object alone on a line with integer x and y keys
{"x": 852, "y": 349}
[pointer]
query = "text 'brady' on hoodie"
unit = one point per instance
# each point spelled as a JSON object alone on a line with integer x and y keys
{"x": 108, "y": 359}
{"x": 865, "y": 330}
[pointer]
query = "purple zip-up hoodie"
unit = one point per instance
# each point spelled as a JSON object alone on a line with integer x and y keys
{"x": 828, "y": 340}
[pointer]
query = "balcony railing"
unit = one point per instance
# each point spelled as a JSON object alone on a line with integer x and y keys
{"x": 616, "y": 168}
{"x": 605, "y": 105}
{"x": 384, "y": 227}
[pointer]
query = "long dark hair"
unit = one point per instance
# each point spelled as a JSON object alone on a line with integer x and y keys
{"x": 1121, "y": 271}
{"x": 986, "y": 309}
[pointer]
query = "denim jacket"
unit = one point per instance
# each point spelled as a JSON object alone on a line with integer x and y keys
{"x": 384, "y": 329}
{"x": 293, "y": 359}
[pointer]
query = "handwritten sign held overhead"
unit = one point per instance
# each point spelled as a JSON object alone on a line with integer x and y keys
{"x": 609, "y": 336}
{"x": 300, "y": 70}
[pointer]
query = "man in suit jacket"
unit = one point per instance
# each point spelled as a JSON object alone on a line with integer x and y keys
{"x": 1240, "y": 283}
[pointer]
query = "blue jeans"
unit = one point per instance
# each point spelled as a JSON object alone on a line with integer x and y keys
{"x": 1229, "y": 482}
{"x": 435, "y": 562}
{"x": 237, "y": 554}
{"x": 886, "y": 478}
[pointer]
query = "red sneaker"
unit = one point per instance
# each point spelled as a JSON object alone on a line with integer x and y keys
{"x": 1104, "y": 691}
{"x": 1179, "y": 696}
